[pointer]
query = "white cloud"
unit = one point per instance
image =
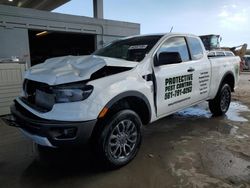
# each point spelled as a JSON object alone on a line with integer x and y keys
{"x": 234, "y": 6}
{"x": 234, "y": 17}
{"x": 223, "y": 13}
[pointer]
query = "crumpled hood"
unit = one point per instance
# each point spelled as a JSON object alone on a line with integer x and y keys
{"x": 60, "y": 70}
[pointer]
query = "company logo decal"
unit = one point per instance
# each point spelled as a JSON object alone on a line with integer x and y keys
{"x": 177, "y": 86}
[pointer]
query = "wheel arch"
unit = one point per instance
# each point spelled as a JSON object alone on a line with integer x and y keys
{"x": 229, "y": 79}
{"x": 133, "y": 100}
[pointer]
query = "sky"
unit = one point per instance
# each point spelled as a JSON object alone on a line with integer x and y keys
{"x": 228, "y": 18}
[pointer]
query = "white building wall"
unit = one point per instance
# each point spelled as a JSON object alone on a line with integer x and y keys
{"x": 11, "y": 76}
{"x": 14, "y": 25}
{"x": 15, "y": 22}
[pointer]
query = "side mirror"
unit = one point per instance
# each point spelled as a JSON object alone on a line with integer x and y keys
{"x": 166, "y": 58}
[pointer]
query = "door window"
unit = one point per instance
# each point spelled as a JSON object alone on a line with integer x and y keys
{"x": 176, "y": 44}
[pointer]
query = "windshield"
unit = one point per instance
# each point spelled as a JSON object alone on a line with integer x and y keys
{"x": 131, "y": 49}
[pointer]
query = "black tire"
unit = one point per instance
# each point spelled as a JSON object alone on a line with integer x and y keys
{"x": 220, "y": 104}
{"x": 119, "y": 140}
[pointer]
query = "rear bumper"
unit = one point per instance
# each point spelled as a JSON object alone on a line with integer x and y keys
{"x": 50, "y": 132}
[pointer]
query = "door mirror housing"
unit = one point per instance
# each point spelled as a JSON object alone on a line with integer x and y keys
{"x": 166, "y": 58}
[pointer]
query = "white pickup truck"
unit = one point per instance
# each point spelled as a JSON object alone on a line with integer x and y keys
{"x": 104, "y": 98}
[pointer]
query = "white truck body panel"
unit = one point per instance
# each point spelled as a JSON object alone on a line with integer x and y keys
{"x": 105, "y": 89}
{"x": 201, "y": 66}
{"x": 205, "y": 82}
{"x": 219, "y": 67}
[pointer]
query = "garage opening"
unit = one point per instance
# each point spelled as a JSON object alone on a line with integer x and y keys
{"x": 47, "y": 44}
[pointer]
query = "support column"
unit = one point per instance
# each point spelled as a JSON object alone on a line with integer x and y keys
{"x": 98, "y": 9}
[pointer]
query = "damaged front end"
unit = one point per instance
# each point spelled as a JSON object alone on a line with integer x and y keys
{"x": 58, "y": 105}
{"x": 69, "y": 69}
{"x": 42, "y": 97}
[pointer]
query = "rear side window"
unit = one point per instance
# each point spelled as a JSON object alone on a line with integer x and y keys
{"x": 220, "y": 54}
{"x": 211, "y": 54}
{"x": 229, "y": 54}
{"x": 176, "y": 44}
{"x": 195, "y": 47}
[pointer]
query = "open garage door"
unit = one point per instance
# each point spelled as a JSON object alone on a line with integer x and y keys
{"x": 47, "y": 44}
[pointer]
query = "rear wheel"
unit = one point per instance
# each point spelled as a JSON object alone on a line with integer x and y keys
{"x": 220, "y": 104}
{"x": 120, "y": 139}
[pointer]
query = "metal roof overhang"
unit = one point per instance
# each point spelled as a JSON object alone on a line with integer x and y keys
{"x": 46, "y": 5}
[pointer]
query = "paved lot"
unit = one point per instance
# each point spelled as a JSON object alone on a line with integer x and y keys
{"x": 187, "y": 149}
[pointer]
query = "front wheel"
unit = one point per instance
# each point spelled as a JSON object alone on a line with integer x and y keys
{"x": 120, "y": 139}
{"x": 220, "y": 104}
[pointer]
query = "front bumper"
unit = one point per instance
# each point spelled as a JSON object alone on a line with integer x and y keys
{"x": 50, "y": 132}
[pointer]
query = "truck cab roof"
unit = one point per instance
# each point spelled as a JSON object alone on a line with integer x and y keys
{"x": 163, "y": 35}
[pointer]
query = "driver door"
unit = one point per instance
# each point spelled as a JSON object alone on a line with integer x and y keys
{"x": 174, "y": 81}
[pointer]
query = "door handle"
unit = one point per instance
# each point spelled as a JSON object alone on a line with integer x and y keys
{"x": 191, "y": 69}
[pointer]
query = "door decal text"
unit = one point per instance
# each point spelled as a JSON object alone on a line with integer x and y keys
{"x": 177, "y": 86}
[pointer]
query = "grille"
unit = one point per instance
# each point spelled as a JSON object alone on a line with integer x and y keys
{"x": 38, "y": 95}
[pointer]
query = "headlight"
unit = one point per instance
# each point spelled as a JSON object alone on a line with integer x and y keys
{"x": 64, "y": 95}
